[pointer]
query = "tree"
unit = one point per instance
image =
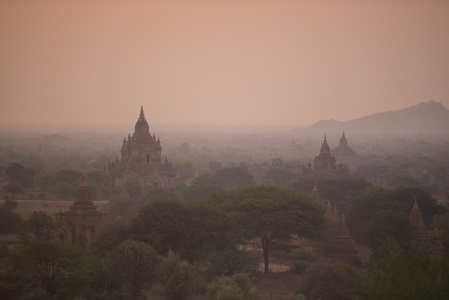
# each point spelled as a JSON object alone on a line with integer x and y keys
{"x": 134, "y": 264}
{"x": 132, "y": 185}
{"x": 271, "y": 214}
{"x": 278, "y": 176}
{"x": 44, "y": 264}
{"x": 340, "y": 192}
{"x": 237, "y": 287}
{"x": 39, "y": 224}
{"x": 109, "y": 240}
{"x": 179, "y": 277}
{"x": 13, "y": 188}
{"x": 9, "y": 220}
{"x": 382, "y": 208}
{"x": 234, "y": 177}
{"x": 230, "y": 261}
{"x": 390, "y": 223}
{"x": 326, "y": 279}
{"x": 200, "y": 187}
{"x": 441, "y": 222}
{"x": 410, "y": 275}
{"x": 95, "y": 180}
{"x": 185, "y": 168}
{"x": 69, "y": 176}
{"x": 67, "y": 182}
{"x": 190, "y": 230}
{"x": 18, "y": 173}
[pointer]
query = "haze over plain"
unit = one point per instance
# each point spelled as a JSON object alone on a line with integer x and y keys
{"x": 219, "y": 62}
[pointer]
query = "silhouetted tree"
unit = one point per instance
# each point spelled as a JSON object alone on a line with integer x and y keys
{"x": 270, "y": 214}
{"x": 134, "y": 264}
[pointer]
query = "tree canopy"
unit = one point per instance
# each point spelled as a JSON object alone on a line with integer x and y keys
{"x": 189, "y": 230}
{"x": 134, "y": 264}
{"x": 271, "y": 215}
{"x": 19, "y": 173}
{"x": 381, "y": 211}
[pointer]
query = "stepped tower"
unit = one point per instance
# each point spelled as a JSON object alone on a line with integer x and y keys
{"x": 343, "y": 249}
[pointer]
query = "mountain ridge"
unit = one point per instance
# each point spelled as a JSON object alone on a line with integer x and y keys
{"x": 424, "y": 118}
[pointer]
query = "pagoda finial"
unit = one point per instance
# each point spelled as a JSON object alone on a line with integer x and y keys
{"x": 142, "y": 115}
{"x": 83, "y": 182}
{"x": 325, "y": 140}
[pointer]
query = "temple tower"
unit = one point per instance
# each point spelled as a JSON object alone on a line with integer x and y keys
{"x": 324, "y": 161}
{"x": 343, "y": 249}
{"x": 343, "y": 151}
{"x": 80, "y": 225}
{"x": 141, "y": 154}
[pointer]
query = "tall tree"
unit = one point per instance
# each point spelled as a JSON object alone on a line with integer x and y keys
{"x": 9, "y": 220}
{"x": 44, "y": 264}
{"x": 134, "y": 264}
{"x": 271, "y": 214}
{"x": 39, "y": 224}
{"x": 188, "y": 230}
{"x": 179, "y": 277}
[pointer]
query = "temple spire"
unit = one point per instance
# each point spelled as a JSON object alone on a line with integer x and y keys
{"x": 343, "y": 249}
{"x": 142, "y": 115}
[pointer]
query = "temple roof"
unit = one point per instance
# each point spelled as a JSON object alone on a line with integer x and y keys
{"x": 83, "y": 194}
{"x": 343, "y": 140}
{"x": 325, "y": 147}
{"x": 141, "y": 124}
{"x": 343, "y": 248}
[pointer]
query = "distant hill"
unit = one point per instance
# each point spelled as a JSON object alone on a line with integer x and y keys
{"x": 426, "y": 118}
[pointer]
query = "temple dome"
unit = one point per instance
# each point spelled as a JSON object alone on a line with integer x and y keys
{"x": 141, "y": 124}
{"x": 325, "y": 146}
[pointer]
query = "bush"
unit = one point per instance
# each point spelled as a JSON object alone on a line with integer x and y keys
{"x": 179, "y": 277}
{"x": 301, "y": 260}
{"x": 237, "y": 287}
{"x": 232, "y": 261}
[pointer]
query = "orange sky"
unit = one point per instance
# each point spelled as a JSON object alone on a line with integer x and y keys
{"x": 219, "y": 62}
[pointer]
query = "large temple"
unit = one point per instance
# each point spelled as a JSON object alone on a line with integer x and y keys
{"x": 141, "y": 154}
{"x": 325, "y": 161}
{"x": 81, "y": 224}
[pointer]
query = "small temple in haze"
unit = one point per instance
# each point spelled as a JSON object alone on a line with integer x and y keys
{"x": 344, "y": 151}
{"x": 141, "y": 154}
{"x": 325, "y": 161}
{"x": 81, "y": 224}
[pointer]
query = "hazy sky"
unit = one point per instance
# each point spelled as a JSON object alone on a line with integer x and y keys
{"x": 218, "y": 62}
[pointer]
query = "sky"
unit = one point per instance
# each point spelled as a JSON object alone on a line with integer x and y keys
{"x": 219, "y": 62}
